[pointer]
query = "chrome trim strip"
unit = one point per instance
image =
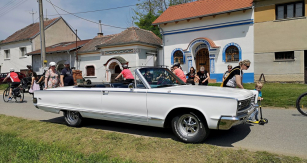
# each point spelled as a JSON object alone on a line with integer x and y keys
{"x": 193, "y": 95}
{"x": 156, "y": 119}
{"x": 135, "y": 91}
{"x": 78, "y": 90}
{"x": 96, "y": 112}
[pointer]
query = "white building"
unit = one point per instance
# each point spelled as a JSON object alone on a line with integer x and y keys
{"x": 212, "y": 34}
{"x": 58, "y": 53}
{"x": 14, "y": 48}
{"x": 101, "y": 59}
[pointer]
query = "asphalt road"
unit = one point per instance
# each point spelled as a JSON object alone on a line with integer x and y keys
{"x": 284, "y": 134}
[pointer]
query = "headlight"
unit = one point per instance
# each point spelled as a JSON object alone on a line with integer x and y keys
{"x": 239, "y": 105}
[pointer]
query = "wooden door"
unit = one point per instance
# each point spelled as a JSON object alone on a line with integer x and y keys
{"x": 202, "y": 59}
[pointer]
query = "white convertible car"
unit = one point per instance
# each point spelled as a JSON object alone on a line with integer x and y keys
{"x": 161, "y": 100}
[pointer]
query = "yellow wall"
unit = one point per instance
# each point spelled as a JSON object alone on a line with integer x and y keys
{"x": 265, "y": 13}
{"x": 265, "y": 10}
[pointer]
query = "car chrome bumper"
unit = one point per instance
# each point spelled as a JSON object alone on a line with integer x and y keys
{"x": 226, "y": 122}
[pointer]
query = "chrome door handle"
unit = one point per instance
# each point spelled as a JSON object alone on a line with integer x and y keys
{"x": 105, "y": 92}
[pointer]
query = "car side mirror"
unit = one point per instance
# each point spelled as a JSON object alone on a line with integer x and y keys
{"x": 130, "y": 86}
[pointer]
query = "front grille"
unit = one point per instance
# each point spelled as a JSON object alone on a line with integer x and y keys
{"x": 243, "y": 104}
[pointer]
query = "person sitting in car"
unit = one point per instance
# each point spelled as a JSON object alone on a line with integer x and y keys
{"x": 148, "y": 76}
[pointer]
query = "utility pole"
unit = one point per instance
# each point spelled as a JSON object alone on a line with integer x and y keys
{"x": 32, "y": 15}
{"x": 42, "y": 34}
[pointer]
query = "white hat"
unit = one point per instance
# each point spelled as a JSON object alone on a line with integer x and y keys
{"x": 52, "y": 64}
{"x": 12, "y": 70}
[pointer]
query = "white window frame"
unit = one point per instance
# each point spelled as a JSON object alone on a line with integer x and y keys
{"x": 7, "y": 54}
{"x": 21, "y": 52}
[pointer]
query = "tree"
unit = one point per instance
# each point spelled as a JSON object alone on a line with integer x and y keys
{"x": 145, "y": 22}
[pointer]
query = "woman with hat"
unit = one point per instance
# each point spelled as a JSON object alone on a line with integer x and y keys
{"x": 52, "y": 77}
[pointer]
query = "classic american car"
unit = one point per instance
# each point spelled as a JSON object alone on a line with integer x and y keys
{"x": 158, "y": 99}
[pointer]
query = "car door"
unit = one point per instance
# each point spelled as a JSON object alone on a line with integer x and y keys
{"x": 124, "y": 104}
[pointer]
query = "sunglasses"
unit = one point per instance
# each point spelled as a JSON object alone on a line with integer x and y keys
{"x": 247, "y": 66}
{"x": 229, "y": 68}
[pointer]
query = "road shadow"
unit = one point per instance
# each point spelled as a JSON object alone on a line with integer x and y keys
{"x": 18, "y": 102}
{"x": 299, "y": 115}
{"x": 223, "y": 138}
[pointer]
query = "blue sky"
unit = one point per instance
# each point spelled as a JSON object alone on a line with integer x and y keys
{"x": 15, "y": 15}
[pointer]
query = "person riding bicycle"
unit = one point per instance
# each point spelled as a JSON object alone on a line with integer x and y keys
{"x": 15, "y": 80}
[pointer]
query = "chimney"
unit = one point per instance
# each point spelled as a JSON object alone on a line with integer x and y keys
{"x": 100, "y": 34}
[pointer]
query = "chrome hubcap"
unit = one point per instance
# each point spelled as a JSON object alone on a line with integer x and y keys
{"x": 188, "y": 125}
{"x": 72, "y": 116}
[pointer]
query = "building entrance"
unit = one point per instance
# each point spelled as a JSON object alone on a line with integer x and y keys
{"x": 202, "y": 59}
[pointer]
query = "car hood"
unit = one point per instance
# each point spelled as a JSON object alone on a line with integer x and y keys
{"x": 213, "y": 91}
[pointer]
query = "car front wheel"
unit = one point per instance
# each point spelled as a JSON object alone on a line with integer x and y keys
{"x": 72, "y": 118}
{"x": 190, "y": 128}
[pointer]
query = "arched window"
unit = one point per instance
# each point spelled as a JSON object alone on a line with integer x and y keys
{"x": 90, "y": 71}
{"x": 178, "y": 57}
{"x": 232, "y": 54}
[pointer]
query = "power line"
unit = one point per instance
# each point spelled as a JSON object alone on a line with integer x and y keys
{"x": 4, "y": 12}
{"x": 81, "y": 17}
{"x": 7, "y": 4}
{"x": 94, "y": 10}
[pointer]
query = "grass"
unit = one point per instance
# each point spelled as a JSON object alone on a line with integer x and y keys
{"x": 24, "y": 140}
{"x": 14, "y": 149}
{"x": 277, "y": 94}
{"x": 3, "y": 86}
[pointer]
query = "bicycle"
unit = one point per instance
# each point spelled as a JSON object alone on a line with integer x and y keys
{"x": 17, "y": 93}
{"x": 301, "y": 102}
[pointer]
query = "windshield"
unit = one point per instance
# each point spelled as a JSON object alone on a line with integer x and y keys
{"x": 160, "y": 77}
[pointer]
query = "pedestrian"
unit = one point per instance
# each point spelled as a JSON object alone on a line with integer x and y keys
{"x": 42, "y": 78}
{"x": 191, "y": 76}
{"x": 34, "y": 85}
{"x": 14, "y": 79}
{"x": 203, "y": 76}
{"x": 52, "y": 77}
{"x": 178, "y": 72}
{"x": 66, "y": 76}
{"x": 235, "y": 77}
{"x": 258, "y": 87}
{"x": 229, "y": 67}
{"x": 126, "y": 73}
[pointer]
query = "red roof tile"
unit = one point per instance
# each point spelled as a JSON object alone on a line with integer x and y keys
{"x": 133, "y": 35}
{"x": 61, "y": 47}
{"x": 201, "y": 8}
{"x": 28, "y": 32}
{"x": 91, "y": 45}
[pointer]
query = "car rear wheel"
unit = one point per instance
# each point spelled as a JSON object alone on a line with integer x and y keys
{"x": 190, "y": 128}
{"x": 72, "y": 118}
